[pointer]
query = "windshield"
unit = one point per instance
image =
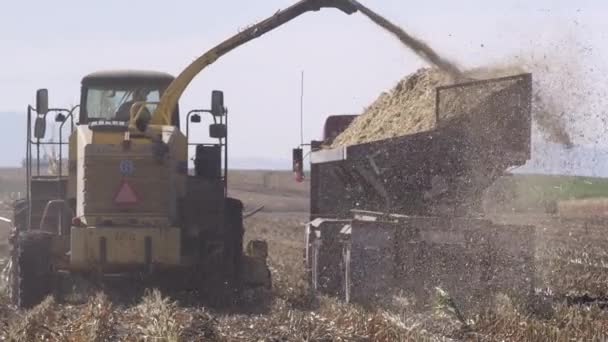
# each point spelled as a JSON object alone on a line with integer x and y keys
{"x": 115, "y": 103}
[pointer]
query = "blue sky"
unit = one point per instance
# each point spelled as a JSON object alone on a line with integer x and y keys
{"x": 347, "y": 60}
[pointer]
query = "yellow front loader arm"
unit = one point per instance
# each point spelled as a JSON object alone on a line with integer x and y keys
{"x": 162, "y": 114}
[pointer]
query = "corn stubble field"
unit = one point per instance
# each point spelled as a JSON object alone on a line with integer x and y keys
{"x": 571, "y": 261}
{"x": 572, "y": 264}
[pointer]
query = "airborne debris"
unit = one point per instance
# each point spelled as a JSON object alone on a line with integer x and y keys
{"x": 410, "y": 107}
{"x": 418, "y": 46}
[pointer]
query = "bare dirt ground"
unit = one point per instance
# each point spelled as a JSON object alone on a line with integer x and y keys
{"x": 572, "y": 261}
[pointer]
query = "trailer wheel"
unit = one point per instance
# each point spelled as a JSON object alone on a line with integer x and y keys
{"x": 32, "y": 275}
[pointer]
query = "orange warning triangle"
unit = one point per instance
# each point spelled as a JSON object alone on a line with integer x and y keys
{"x": 126, "y": 194}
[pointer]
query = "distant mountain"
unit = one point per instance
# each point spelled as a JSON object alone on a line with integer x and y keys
{"x": 547, "y": 158}
{"x": 12, "y": 138}
{"x": 12, "y": 147}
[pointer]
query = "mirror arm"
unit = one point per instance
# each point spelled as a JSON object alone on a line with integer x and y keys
{"x": 196, "y": 111}
{"x": 31, "y": 109}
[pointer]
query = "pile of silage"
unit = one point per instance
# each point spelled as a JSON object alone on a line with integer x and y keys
{"x": 410, "y": 106}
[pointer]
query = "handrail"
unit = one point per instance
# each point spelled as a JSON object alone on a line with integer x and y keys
{"x": 38, "y": 143}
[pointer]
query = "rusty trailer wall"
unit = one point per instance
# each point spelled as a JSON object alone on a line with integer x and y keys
{"x": 502, "y": 121}
{"x": 404, "y": 214}
{"x": 442, "y": 172}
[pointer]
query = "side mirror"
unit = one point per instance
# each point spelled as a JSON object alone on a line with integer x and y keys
{"x": 298, "y": 164}
{"x": 195, "y": 118}
{"x": 59, "y": 117}
{"x": 218, "y": 131}
{"x": 40, "y": 127}
{"x": 42, "y": 101}
{"x": 217, "y": 103}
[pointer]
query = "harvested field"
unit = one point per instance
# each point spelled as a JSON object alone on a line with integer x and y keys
{"x": 571, "y": 256}
{"x": 522, "y": 193}
{"x": 583, "y": 208}
{"x": 295, "y": 316}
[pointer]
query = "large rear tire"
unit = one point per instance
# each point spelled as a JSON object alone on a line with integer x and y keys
{"x": 32, "y": 279}
{"x": 233, "y": 239}
{"x": 20, "y": 209}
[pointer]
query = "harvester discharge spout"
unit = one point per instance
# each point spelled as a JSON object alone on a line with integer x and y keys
{"x": 162, "y": 114}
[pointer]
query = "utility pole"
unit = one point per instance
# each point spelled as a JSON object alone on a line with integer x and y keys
{"x": 302, "y": 110}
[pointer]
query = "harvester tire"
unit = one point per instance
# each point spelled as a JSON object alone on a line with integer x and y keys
{"x": 20, "y": 209}
{"x": 32, "y": 279}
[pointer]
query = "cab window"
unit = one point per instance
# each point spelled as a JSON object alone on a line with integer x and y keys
{"x": 115, "y": 103}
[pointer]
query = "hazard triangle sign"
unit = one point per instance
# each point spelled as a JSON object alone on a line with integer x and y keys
{"x": 125, "y": 194}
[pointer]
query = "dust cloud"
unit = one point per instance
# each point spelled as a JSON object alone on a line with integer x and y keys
{"x": 553, "y": 93}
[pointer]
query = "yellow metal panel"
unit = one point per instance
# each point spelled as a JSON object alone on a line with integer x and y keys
{"x": 179, "y": 153}
{"x": 124, "y": 246}
{"x": 97, "y": 178}
{"x": 116, "y": 138}
{"x": 151, "y": 182}
{"x": 113, "y": 138}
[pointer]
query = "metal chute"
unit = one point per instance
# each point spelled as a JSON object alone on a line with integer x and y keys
{"x": 162, "y": 114}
